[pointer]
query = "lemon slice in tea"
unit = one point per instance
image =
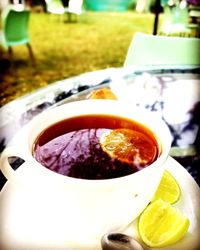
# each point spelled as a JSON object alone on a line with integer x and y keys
{"x": 168, "y": 189}
{"x": 161, "y": 225}
{"x": 129, "y": 146}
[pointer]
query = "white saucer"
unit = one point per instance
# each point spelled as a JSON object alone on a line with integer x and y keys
{"x": 26, "y": 224}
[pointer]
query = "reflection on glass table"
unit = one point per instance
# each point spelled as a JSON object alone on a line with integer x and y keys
{"x": 171, "y": 92}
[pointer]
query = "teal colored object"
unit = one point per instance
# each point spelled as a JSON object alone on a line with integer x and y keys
{"x": 146, "y": 49}
{"x": 175, "y": 21}
{"x": 107, "y": 5}
{"x": 15, "y": 30}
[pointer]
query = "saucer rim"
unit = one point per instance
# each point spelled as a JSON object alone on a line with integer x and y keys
{"x": 178, "y": 171}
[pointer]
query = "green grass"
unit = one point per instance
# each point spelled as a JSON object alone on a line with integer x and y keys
{"x": 98, "y": 40}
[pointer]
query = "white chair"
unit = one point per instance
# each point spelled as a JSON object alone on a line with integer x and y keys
{"x": 148, "y": 49}
{"x": 74, "y": 9}
{"x": 55, "y": 7}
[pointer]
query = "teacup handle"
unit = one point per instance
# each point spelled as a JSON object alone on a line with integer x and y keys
{"x": 5, "y": 166}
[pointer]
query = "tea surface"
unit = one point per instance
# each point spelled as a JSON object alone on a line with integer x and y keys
{"x": 72, "y": 147}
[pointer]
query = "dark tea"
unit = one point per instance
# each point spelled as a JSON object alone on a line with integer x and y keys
{"x": 96, "y": 147}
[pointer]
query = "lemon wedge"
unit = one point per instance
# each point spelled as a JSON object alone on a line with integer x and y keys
{"x": 161, "y": 225}
{"x": 168, "y": 189}
{"x": 103, "y": 93}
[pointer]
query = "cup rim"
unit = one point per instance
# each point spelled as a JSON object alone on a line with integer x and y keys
{"x": 86, "y": 103}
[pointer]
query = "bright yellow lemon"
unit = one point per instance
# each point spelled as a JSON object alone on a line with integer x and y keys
{"x": 168, "y": 189}
{"x": 161, "y": 225}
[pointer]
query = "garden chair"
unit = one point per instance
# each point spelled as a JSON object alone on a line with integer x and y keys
{"x": 55, "y": 7}
{"x": 15, "y": 30}
{"x": 146, "y": 49}
{"x": 74, "y": 9}
{"x": 176, "y": 19}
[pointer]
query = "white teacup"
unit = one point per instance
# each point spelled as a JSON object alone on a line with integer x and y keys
{"x": 91, "y": 207}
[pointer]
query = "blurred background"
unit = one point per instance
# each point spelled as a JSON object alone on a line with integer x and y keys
{"x": 68, "y": 38}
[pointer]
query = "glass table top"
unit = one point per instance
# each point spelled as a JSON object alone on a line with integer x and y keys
{"x": 173, "y": 92}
